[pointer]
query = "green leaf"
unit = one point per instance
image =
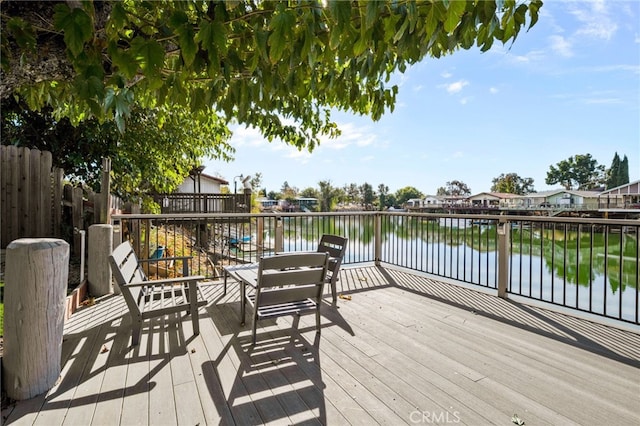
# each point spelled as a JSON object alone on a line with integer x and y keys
{"x": 281, "y": 25}
{"x": 454, "y": 13}
{"x": 212, "y": 36}
{"x": 371, "y": 13}
{"x": 534, "y": 7}
{"x": 360, "y": 46}
{"x": 23, "y": 33}
{"x": 123, "y": 60}
{"x": 149, "y": 54}
{"x": 118, "y": 16}
{"x": 341, "y": 11}
{"x": 76, "y": 25}
{"x": 178, "y": 18}
{"x": 188, "y": 46}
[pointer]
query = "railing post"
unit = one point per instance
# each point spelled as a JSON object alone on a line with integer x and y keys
{"x": 279, "y": 231}
{"x": 259, "y": 234}
{"x": 503, "y": 256}
{"x": 377, "y": 238}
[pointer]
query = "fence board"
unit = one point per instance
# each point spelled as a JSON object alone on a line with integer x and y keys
{"x": 23, "y": 187}
{"x": 46, "y": 163}
{"x": 57, "y": 201}
{"x": 33, "y": 186}
{"x": 4, "y": 178}
{"x": 14, "y": 218}
{"x": 35, "y": 201}
{"x": 76, "y": 203}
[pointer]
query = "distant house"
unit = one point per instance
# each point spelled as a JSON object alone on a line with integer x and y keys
{"x": 201, "y": 193}
{"x": 495, "y": 200}
{"x": 427, "y": 201}
{"x": 623, "y": 196}
{"x": 414, "y": 202}
{"x": 200, "y": 183}
{"x": 267, "y": 204}
{"x": 562, "y": 198}
{"x": 432, "y": 200}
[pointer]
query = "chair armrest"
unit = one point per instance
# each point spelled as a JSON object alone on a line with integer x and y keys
{"x": 165, "y": 281}
{"x": 185, "y": 262}
{"x": 162, "y": 259}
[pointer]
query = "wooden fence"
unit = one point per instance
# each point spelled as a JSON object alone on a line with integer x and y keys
{"x": 35, "y": 201}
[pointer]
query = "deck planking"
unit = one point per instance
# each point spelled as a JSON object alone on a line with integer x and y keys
{"x": 406, "y": 348}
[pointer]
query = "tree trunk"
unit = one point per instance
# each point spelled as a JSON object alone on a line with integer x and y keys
{"x": 35, "y": 291}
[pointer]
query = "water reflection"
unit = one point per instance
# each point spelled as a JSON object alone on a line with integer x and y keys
{"x": 550, "y": 261}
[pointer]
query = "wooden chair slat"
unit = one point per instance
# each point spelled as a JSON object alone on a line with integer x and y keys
{"x": 336, "y": 246}
{"x": 153, "y": 298}
{"x": 288, "y": 284}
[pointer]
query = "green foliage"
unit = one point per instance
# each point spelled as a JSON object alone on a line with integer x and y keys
{"x": 264, "y": 64}
{"x": 368, "y": 195}
{"x": 511, "y": 183}
{"x": 328, "y": 195}
{"x": 618, "y": 174}
{"x": 155, "y": 154}
{"x": 581, "y": 171}
{"x": 405, "y": 194}
{"x": 454, "y": 188}
{"x": 384, "y": 198}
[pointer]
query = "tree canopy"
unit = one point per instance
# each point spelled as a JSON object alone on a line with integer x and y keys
{"x": 277, "y": 66}
{"x": 154, "y": 155}
{"x": 512, "y": 183}
{"x": 454, "y": 188}
{"x": 580, "y": 171}
{"x": 618, "y": 174}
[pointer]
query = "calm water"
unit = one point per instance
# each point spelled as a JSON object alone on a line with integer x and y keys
{"x": 580, "y": 270}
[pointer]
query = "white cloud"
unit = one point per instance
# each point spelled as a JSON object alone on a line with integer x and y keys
{"x": 446, "y": 74}
{"x": 493, "y": 90}
{"x": 351, "y": 135}
{"x": 603, "y": 101}
{"x": 455, "y": 87}
{"x": 561, "y": 46}
{"x": 595, "y": 20}
{"x": 301, "y": 156}
{"x": 246, "y": 136}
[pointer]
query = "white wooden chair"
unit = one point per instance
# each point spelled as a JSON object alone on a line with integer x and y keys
{"x": 154, "y": 298}
{"x": 336, "y": 246}
{"x": 287, "y": 284}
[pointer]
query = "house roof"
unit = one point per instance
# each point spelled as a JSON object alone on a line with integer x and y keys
{"x": 545, "y": 194}
{"x": 214, "y": 178}
{"x": 627, "y": 188}
{"x": 502, "y": 195}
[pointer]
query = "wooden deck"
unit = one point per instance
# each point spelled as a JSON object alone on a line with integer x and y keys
{"x": 405, "y": 349}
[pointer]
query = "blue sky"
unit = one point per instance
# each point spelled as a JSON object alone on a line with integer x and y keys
{"x": 571, "y": 85}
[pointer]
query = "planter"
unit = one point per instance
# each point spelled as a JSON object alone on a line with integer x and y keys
{"x": 74, "y": 300}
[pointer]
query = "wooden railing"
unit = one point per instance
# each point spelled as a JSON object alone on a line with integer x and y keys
{"x": 589, "y": 265}
{"x": 204, "y": 203}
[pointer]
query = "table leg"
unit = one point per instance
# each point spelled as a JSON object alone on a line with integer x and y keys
{"x": 242, "y": 301}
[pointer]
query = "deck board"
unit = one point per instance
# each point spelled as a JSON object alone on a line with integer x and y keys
{"x": 406, "y": 348}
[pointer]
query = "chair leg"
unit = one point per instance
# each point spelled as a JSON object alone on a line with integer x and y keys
{"x": 333, "y": 290}
{"x": 254, "y": 328}
{"x": 194, "y": 319}
{"x": 136, "y": 330}
{"x": 318, "y": 328}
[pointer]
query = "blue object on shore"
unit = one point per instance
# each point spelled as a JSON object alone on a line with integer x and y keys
{"x": 158, "y": 253}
